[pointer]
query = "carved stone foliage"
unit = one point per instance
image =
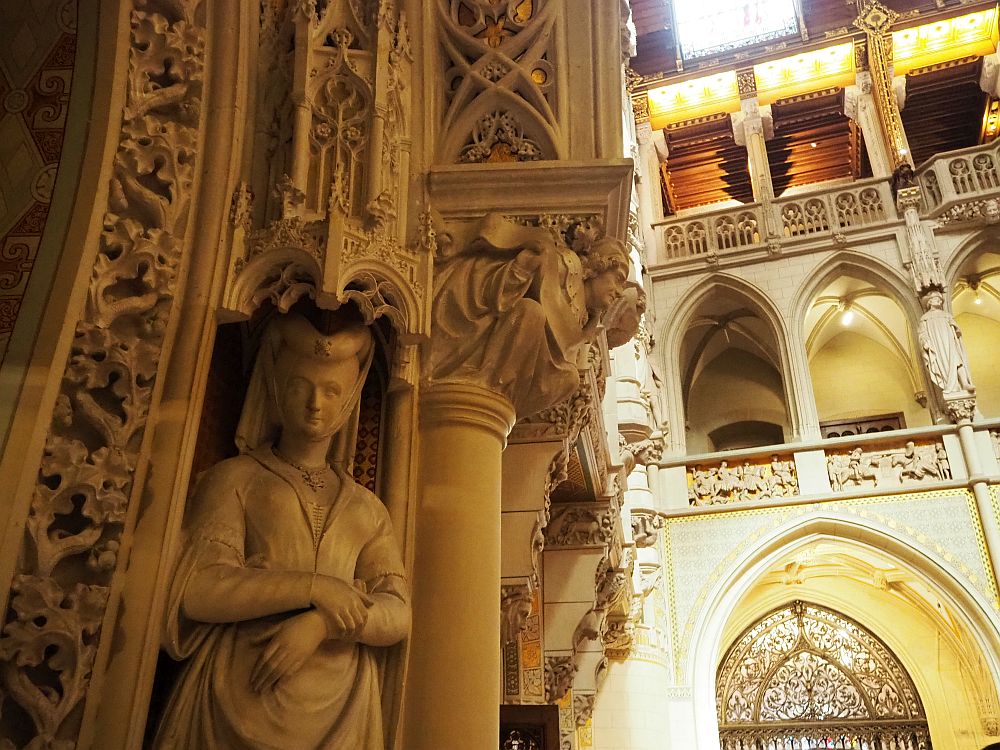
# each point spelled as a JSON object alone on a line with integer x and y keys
{"x": 910, "y": 463}
{"x": 559, "y": 674}
{"x": 804, "y": 663}
{"x": 500, "y": 81}
{"x": 87, "y": 474}
{"x": 751, "y": 481}
{"x": 580, "y": 526}
{"x": 335, "y": 228}
{"x": 980, "y": 212}
{"x": 583, "y": 707}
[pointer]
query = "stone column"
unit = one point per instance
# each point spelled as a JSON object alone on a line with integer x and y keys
{"x": 454, "y": 671}
{"x": 497, "y": 352}
{"x": 859, "y": 106}
{"x": 752, "y": 126}
{"x": 876, "y": 20}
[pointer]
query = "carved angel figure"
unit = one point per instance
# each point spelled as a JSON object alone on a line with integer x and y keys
{"x": 943, "y": 351}
{"x": 514, "y": 309}
{"x": 290, "y": 578}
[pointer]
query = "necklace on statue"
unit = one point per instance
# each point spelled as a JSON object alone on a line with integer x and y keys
{"x": 314, "y": 478}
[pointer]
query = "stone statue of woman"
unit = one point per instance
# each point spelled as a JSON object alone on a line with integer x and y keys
{"x": 944, "y": 353}
{"x": 290, "y": 578}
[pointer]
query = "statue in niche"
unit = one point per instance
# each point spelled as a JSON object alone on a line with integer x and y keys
{"x": 290, "y": 577}
{"x": 944, "y": 353}
{"x": 515, "y": 308}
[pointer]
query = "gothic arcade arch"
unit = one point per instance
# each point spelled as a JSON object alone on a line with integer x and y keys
{"x": 750, "y": 316}
{"x": 857, "y": 318}
{"x": 734, "y": 583}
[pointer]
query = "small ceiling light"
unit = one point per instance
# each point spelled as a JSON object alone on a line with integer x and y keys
{"x": 846, "y": 313}
{"x": 974, "y": 286}
{"x": 812, "y": 145}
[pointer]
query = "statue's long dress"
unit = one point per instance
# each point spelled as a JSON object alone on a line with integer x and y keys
{"x": 262, "y": 520}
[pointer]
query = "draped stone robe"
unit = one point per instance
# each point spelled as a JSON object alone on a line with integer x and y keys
{"x": 253, "y": 512}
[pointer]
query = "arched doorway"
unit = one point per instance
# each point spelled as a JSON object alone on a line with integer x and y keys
{"x": 804, "y": 677}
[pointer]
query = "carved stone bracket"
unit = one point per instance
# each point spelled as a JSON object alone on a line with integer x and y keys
{"x": 591, "y": 525}
{"x": 646, "y": 527}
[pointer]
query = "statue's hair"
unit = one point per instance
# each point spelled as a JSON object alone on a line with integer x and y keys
{"x": 605, "y": 254}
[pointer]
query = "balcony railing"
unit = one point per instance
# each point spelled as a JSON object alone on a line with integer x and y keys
{"x": 955, "y": 177}
{"x": 900, "y": 460}
{"x": 817, "y": 214}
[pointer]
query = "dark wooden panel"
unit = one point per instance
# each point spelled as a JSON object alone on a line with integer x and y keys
{"x": 944, "y": 108}
{"x": 705, "y": 164}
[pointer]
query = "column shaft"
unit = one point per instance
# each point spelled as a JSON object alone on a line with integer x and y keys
{"x": 453, "y": 684}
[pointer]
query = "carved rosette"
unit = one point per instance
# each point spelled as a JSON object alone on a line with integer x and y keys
{"x": 87, "y": 477}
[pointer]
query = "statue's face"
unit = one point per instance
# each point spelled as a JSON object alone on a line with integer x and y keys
{"x": 314, "y": 394}
{"x": 602, "y": 290}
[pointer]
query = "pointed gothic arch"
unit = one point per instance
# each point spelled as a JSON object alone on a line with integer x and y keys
{"x": 807, "y": 672}
{"x": 769, "y": 346}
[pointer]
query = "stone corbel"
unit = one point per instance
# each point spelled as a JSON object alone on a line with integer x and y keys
{"x": 621, "y": 321}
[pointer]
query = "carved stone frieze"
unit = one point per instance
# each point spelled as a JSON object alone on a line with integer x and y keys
{"x": 580, "y": 526}
{"x": 751, "y": 481}
{"x": 981, "y": 212}
{"x": 87, "y": 475}
{"x": 910, "y": 463}
{"x": 559, "y": 674}
{"x": 336, "y": 217}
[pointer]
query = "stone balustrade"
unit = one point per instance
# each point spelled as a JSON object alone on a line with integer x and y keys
{"x": 831, "y": 212}
{"x": 953, "y": 178}
{"x": 919, "y": 459}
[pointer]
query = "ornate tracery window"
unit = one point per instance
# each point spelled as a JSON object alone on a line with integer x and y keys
{"x": 805, "y": 677}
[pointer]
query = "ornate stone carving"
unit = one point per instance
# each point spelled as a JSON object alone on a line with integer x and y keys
{"x": 971, "y": 212}
{"x": 337, "y": 217}
{"x": 87, "y": 474}
{"x": 559, "y": 674}
{"x": 645, "y": 528}
{"x": 618, "y": 637}
{"x": 644, "y": 452}
{"x": 515, "y": 606}
{"x": 499, "y": 136}
{"x": 516, "y": 310}
{"x": 583, "y": 707}
{"x": 926, "y": 462}
{"x": 500, "y": 81}
{"x": 621, "y": 322}
{"x": 961, "y": 409}
{"x": 746, "y": 483}
{"x": 580, "y": 526}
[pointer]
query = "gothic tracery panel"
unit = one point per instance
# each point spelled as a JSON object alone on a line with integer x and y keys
{"x": 804, "y": 664}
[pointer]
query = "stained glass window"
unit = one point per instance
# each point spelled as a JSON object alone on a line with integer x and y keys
{"x": 710, "y": 27}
